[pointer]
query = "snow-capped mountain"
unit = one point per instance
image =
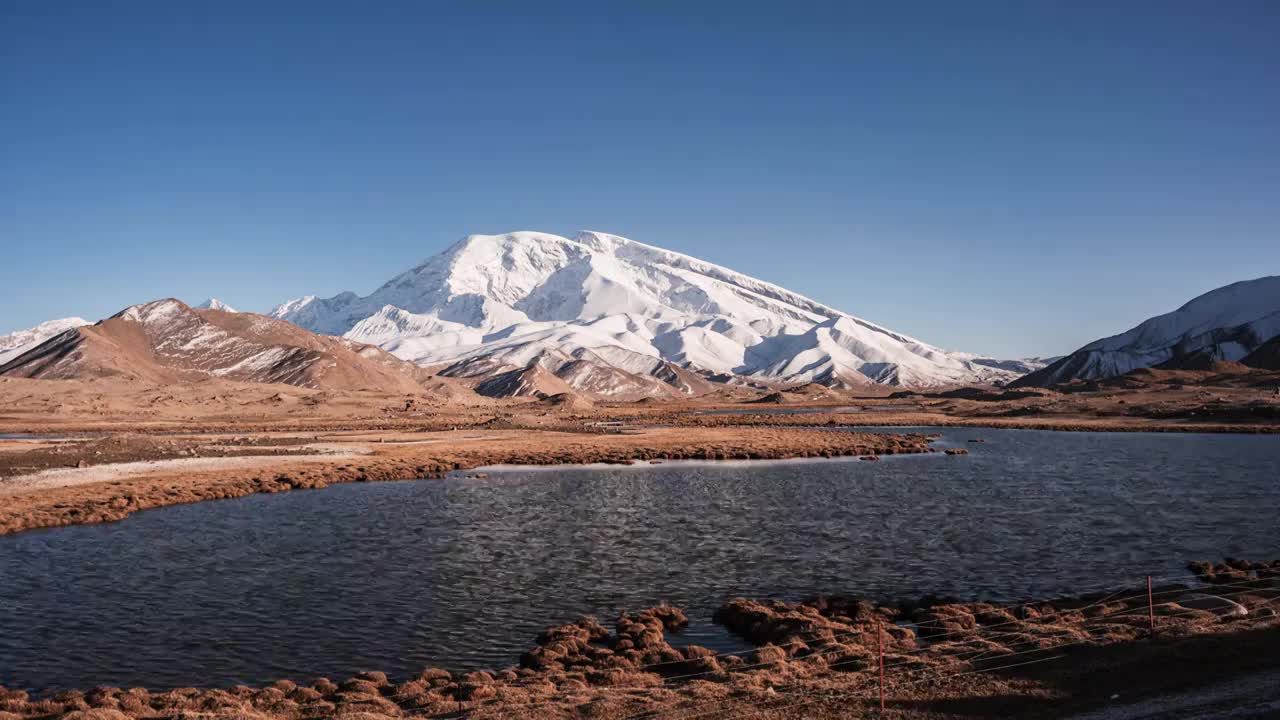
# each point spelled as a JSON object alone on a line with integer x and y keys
{"x": 214, "y": 303}
{"x": 1224, "y": 324}
{"x": 616, "y": 317}
{"x": 18, "y": 342}
{"x": 1021, "y": 366}
{"x": 166, "y": 341}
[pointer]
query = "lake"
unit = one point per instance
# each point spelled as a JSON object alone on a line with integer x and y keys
{"x": 462, "y": 573}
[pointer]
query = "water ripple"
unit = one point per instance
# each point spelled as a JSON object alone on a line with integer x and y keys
{"x": 464, "y": 573}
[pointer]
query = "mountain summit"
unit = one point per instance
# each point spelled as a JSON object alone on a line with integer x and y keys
{"x": 1227, "y": 324}
{"x": 617, "y": 317}
{"x": 18, "y": 342}
{"x": 214, "y": 303}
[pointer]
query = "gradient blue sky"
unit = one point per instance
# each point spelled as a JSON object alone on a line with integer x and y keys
{"x": 1011, "y": 178}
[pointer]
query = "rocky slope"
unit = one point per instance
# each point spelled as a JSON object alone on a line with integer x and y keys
{"x": 1226, "y": 324}
{"x": 18, "y": 342}
{"x": 613, "y": 317}
{"x": 167, "y": 341}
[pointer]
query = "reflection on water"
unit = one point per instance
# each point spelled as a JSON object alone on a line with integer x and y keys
{"x": 30, "y": 436}
{"x": 463, "y": 573}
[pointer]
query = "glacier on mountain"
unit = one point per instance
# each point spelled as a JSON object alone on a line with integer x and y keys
{"x": 598, "y": 309}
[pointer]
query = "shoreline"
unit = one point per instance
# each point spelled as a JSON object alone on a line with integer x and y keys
{"x": 696, "y": 462}
{"x": 106, "y": 497}
{"x": 641, "y": 420}
{"x": 306, "y": 455}
{"x": 1062, "y": 424}
{"x": 71, "y": 477}
{"x": 943, "y": 659}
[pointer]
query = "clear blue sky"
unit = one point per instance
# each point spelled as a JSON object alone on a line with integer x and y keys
{"x": 1012, "y": 178}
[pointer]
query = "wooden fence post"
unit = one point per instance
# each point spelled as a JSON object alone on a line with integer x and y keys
{"x": 880, "y": 639}
{"x": 1151, "y": 609}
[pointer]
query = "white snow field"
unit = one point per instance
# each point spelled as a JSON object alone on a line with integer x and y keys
{"x": 598, "y": 310}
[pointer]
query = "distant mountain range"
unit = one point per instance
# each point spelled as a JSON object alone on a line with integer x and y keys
{"x": 614, "y": 317}
{"x": 16, "y": 343}
{"x": 166, "y": 341}
{"x": 601, "y": 317}
{"x": 1227, "y": 324}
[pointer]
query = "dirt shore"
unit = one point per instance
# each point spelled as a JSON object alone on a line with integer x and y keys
{"x": 816, "y": 659}
{"x": 101, "y": 493}
{"x": 1166, "y": 401}
{"x": 93, "y": 452}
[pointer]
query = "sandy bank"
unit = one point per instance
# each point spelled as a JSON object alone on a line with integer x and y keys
{"x": 69, "y": 477}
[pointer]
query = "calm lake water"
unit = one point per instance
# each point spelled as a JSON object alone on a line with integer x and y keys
{"x": 463, "y": 573}
{"x": 30, "y": 436}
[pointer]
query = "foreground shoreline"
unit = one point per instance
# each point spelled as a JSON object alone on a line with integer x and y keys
{"x": 819, "y": 658}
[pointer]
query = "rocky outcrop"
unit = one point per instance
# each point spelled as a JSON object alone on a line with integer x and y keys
{"x": 1234, "y": 570}
{"x": 841, "y": 635}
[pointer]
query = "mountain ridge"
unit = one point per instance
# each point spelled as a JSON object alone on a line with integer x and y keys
{"x": 165, "y": 341}
{"x": 1224, "y": 324}
{"x": 514, "y": 296}
{"x": 19, "y": 341}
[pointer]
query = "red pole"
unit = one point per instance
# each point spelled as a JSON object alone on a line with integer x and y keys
{"x": 1151, "y": 608}
{"x": 880, "y": 639}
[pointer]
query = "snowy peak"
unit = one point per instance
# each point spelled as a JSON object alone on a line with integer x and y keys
{"x": 1229, "y": 306}
{"x": 497, "y": 302}
{"x": 1021, "y": 366}
{"x": 332, "y": 316}
{"x": 473, "y": 277}
{"x": 48, "y": 328}
{"x": 1223, "y": 324}
{"x": 19, "y": 341}
{"x": 214, "y": 303}
{"x": 502, "y": 268}
{"x": 292, "y": 307}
